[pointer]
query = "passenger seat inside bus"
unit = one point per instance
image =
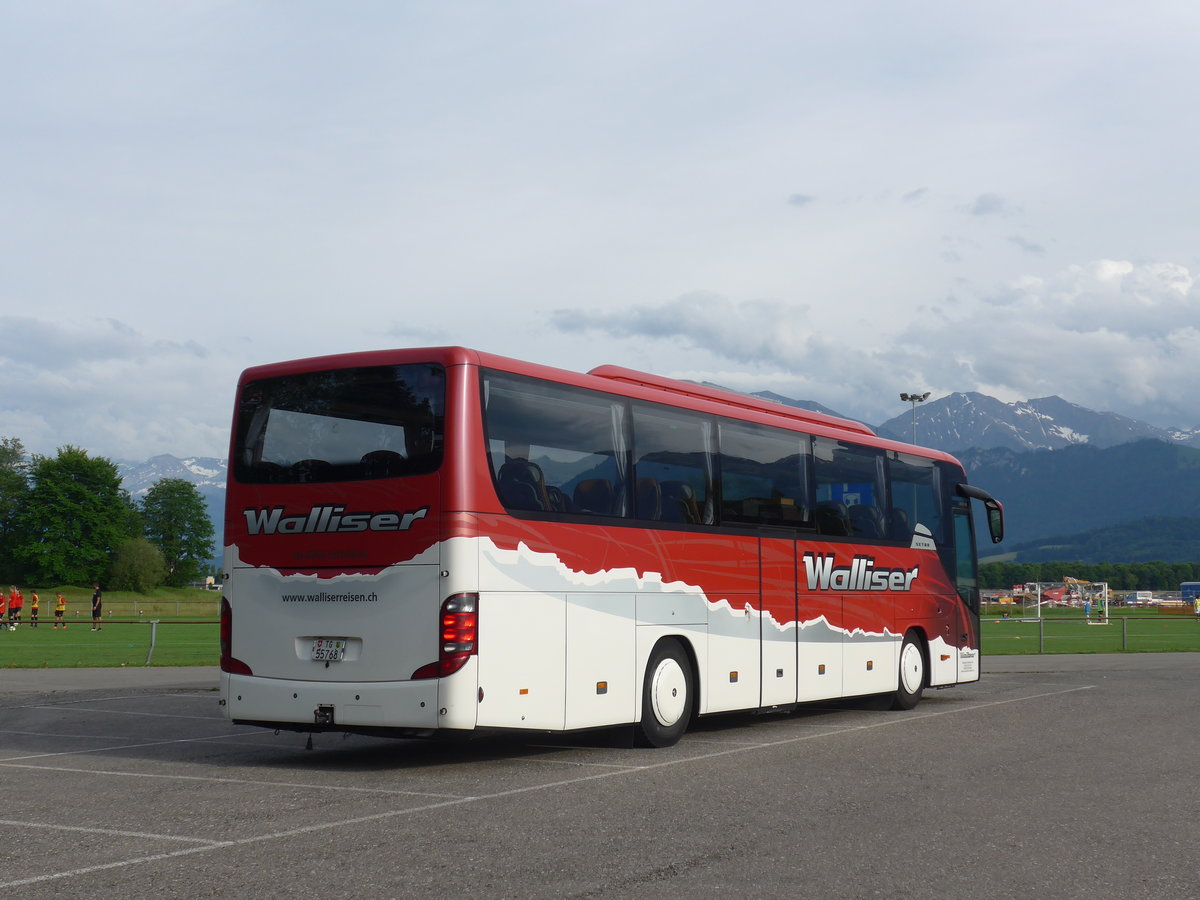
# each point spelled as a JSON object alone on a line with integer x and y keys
{"x": 380, "y": 463}
{"x": 866, "y": 521}
{"x": 595, "y": 496}
{"x": 832, "y": 518}
{"x": 559, "y": 501}
{"x": 522, "y": 485}
{"x": 679, "y": 503}
{"x": 309, "y": 470}
{"x": 901, "y": 529}
{"x": 649, "y": 499}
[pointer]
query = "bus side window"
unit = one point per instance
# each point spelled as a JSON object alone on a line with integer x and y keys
{"x": 560, "y": 450}
{"x": 850, "y": 489}
{"x": 916, "y": 497}
{"x": 763, "y": 473}
{"x": 966, "y": 574}
{"x": 672, "y": 451}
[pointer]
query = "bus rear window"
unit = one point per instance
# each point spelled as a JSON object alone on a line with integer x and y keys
{"x": 341, "y": 425}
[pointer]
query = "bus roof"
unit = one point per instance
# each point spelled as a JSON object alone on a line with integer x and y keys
{"x": 727, "y": 398}
{"x": 611, "y": 378}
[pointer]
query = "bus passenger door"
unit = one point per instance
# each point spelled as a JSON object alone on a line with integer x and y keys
{"x": 777, "y": 568}
{"x": 819, "y": 650}
{"x": 966, "y": 577}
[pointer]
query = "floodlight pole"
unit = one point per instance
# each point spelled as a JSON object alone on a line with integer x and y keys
{"x": 914, "y": 398}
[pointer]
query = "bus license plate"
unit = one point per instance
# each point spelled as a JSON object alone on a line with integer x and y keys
{"x": 329, "y": 649}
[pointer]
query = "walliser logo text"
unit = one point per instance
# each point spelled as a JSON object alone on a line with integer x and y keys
{"x": 860, "y": 575}
{"x": 328, "y": 520}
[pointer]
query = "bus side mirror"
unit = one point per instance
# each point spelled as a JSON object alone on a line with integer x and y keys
{"x": 995, "y": 520}
{"x": 995, "y": 510}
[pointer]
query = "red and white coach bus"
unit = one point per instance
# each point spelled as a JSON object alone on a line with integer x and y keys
{"x": 443, "y": 540}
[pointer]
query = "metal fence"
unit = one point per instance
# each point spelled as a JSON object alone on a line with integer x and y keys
{"x": 120, "y": 642}
{"x": 1076, "y": 635}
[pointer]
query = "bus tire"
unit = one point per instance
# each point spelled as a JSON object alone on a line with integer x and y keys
{"x": 666, "y": 695}
{"x": 913, "y": 674}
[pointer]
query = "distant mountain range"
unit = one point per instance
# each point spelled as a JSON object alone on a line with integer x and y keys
{"x": 962, "y": 421}
{"x": 1057, "y": 498}
{"x": 1167, "y": 539}
{"x": 1062, "y": 471}
{"x": 207, "y": 473}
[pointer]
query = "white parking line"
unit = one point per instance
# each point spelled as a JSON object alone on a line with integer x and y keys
{"x": 48, "y": 826}
{"x": 89, "y": 700}
{"x": 113, "y": 748}
{"x": 68, "y": 736}
{"x": 258, "y": 782}
{"x": 572, "y": 762}
{"x": 459, "y": 801}
{"x": 125, "y": 712}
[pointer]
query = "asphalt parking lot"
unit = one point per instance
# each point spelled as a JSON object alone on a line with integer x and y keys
{"x": 1063, "y": 776}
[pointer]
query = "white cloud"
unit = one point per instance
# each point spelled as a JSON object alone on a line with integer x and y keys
{"x": 988, "y": 205}
{"x": 104, "y": 387}
{"x": 239, "y": 184}
{"x": 1112, "y": 335}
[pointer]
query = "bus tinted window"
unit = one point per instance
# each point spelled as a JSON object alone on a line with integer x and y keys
{"x": 763, "y": 472}
{"x": 849, "y": 494}
{"x": 673, "y": 466}
{"x": 558, "y": 449}
{"x": 344, "y": 425}
{"x": 966, "y": 569}
{"x": 916, "y": 497}
{"x": 554, "y": 448}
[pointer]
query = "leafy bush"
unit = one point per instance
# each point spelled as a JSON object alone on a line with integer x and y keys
{"x": 137, "y": 566}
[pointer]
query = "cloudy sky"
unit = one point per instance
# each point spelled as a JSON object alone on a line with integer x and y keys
{"x": 837, "y": 202}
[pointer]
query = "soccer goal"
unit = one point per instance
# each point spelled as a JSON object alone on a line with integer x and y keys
{"x": 1052, "y": 598}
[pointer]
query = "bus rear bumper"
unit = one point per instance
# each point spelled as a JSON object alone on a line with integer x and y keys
{"x": 406, "y": 706}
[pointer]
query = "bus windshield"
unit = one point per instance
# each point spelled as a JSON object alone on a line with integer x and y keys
{"x": 342, "y": 425}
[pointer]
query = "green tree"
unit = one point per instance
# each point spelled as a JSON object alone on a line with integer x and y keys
{"x": 137, "y": 566}
{"x": 176, "y": 521}
{"x": 74, "y": 517}
{"x": 14, "y": 488}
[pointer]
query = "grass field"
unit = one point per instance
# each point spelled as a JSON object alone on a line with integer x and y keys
{"x": 119, "y": 643}
{"x": 194, "y": 603}
{"x": 1070, "y": 633}
{"x": 124, "y": 639}
{"x": 187, "y": 632}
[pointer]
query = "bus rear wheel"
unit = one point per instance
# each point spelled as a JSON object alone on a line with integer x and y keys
{"x": 911, "y": 684}
{"x": 666, "y": 696}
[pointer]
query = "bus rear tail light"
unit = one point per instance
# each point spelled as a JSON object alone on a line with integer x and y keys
{"x": 228, "y": 662}
{"x": 458, "y": 636}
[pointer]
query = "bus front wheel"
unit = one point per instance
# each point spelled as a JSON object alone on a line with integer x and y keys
{"x": 912, "y": 673}
{"x": 666, "y": 696}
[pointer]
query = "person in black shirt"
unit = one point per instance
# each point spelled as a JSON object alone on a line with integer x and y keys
{"x": 97, "y": 607}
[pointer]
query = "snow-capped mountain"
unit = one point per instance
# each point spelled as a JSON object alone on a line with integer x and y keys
{"x": 207, "y": 473}
{"x": 960, "y": 421}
